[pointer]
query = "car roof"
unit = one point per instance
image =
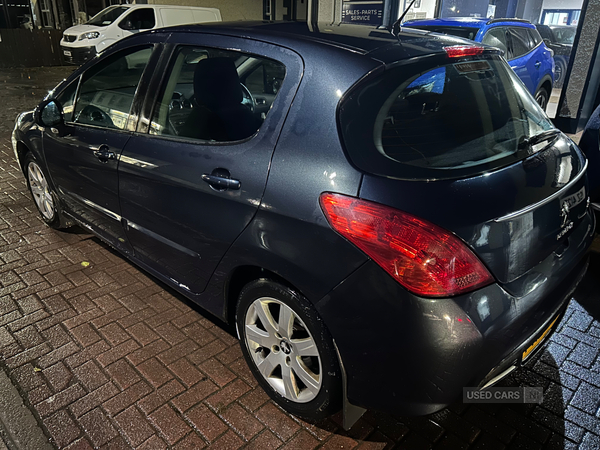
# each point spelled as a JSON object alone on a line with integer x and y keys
{"x": 372, "y": 41}
{"x": 473, "y": 22}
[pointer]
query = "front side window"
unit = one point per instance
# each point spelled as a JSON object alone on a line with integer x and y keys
{"x": 204, "y": 98}
{"x": 107, "y": 89}
{"x": 67, "y": 100}
{"x": 139, "y": 19}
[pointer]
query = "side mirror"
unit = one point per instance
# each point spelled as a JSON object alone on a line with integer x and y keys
{"x": 50, "y": 114}
{"x": 126, "y": 25}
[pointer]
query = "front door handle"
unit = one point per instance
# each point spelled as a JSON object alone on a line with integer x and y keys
{"x": 220, "y": 180}
{"x": 104, "y": 154}
{"x": 537, "y": 64}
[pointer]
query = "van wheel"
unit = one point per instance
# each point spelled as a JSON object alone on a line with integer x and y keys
{"x": 541, "y": 97}
{"x": 289, "y": 350}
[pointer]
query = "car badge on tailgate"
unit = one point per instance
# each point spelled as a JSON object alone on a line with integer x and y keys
{"x": 568, "y": 203}
{"x": 564, "y": 214}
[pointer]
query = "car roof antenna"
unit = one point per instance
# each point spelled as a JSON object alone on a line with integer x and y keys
{"x": 396, "y": 26}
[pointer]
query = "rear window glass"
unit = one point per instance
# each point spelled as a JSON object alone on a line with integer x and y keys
{"x": 418, "y": 121}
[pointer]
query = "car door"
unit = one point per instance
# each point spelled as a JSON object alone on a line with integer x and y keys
{"x": 191, "y": 178}
{"x": 82, "y": 154}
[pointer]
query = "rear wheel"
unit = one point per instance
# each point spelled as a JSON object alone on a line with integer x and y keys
{"x": 541, "y": 97}
{"x": 288, "y": 349}
{"x": 43, "y": 195}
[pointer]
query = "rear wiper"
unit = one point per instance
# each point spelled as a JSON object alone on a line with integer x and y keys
{"x": 540, "y": 137}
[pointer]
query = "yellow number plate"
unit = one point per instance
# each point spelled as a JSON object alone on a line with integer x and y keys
{"x": 538, "y": 341}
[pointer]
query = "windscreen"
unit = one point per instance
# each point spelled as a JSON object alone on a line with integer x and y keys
{"x": 107, "y": 16}
{"x": 456, "y": 119}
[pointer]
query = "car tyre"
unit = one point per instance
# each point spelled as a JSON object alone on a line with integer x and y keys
{"x": 559, "y": 73}
{"x": 289, "y": 350}
{"x": 44, "y": 197}
{"x": 541, "y": 97}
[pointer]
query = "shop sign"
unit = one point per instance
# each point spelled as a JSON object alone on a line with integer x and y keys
{"x": 362, "y": 13}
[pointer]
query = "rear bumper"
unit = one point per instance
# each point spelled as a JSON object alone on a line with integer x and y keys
{"x": 413, "y": 356}
{"x": 77, "y": 55}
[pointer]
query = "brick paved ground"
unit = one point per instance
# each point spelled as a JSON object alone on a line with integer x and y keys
{"x": 108, "y": 357}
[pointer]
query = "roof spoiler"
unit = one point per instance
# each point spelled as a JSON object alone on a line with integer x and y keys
{"x": 507, "y": 20}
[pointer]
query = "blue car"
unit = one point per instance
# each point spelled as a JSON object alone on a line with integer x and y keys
{"x": 523, "y": 47}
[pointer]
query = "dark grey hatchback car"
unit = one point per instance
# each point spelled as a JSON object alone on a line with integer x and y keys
{"x": 385, "y": 219}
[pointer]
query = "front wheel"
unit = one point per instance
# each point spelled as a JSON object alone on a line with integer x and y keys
{"x": 42, "y": 193}
{"x": 288, "y": 349}
{"x": 541, "y": 97}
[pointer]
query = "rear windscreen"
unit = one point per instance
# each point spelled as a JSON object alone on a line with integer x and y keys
{"x": 455, "y": 119}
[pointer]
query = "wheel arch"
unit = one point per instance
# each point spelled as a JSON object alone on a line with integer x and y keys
{"x": 240, "y": 277}
{"x": 22, "y": 151}
{"x": 546, "y": 83}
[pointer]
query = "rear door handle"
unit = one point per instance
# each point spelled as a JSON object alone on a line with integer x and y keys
{"x": 537, "y": 64}
{"x": 104, "y": 154}
{"x": 221, "y": 183}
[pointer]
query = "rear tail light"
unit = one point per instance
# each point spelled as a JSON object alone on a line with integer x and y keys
{"x": 458, "y": 51}
{"x": 424, "y": 258}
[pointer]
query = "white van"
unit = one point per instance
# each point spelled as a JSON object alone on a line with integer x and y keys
{"x": 81, "y": 42}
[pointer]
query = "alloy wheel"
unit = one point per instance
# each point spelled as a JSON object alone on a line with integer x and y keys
{"x": 283, "y": 349}
{"x": 41, "y": 191}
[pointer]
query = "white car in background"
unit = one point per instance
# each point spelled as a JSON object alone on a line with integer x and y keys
{"x": 82, "y": 42}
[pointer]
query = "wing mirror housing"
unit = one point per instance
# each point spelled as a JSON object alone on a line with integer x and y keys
{"x": 50, "y": 114}
{"x": 126, "y": 25}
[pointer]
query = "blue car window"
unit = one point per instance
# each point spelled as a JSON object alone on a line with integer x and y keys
{"x": 496, "y": 37}
{"x": 521, "y": 43}
{"x": 535, "y": 37}
{"x": 432, "y": 81}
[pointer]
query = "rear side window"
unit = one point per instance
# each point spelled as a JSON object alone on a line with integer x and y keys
{"x": 216, "y": 95}
{"x": 521, "y": 42}
{"x": 450, "y": 120}
{"x": 496, "y": 37}
{"x": 535, "y": 36}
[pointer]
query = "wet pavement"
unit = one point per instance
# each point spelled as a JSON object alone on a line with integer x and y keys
{"x": 105, "y": 356}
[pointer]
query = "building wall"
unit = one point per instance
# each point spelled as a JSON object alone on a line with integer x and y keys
{"x": 230, "y": 9}
{"x": 562, "y": 4}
